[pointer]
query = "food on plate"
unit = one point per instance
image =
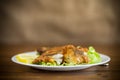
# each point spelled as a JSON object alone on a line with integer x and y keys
{"x": 66, "y": 55}
{"x": 26, "y": 58}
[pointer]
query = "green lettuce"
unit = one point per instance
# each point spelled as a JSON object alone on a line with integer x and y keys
{"x": 47, "y": 64}
{"x": 93, "y": 55}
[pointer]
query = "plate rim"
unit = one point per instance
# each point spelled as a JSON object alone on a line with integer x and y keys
{"x": 40, "y": 66}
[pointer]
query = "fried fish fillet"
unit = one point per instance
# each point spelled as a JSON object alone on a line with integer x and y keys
{"x": 63, "y": 54}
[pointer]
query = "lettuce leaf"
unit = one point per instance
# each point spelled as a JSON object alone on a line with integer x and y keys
{"x": 93, "y": 55}
{"x": 47, "y": 64}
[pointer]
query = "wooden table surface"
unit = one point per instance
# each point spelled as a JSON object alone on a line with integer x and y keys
{"x": 13, "y": 71}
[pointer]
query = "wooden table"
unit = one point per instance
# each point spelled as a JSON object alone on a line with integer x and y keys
{"x": 13, "y": 71}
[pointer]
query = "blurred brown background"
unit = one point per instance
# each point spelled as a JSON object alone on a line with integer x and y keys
{"x": 59, "y": 21}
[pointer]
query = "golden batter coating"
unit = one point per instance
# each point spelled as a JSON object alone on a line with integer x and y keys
{"x": 65, "y": 54}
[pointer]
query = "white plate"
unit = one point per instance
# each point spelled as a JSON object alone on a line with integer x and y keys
{"x": 105, "y": 59}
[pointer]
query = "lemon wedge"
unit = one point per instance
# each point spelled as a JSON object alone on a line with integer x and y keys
{"x": 26, "y": 58}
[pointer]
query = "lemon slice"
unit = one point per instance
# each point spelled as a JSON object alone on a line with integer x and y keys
{"x": 26, "y": 58}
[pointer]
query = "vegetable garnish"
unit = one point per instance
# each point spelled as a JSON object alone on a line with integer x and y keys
{"x": 66, "y": 56}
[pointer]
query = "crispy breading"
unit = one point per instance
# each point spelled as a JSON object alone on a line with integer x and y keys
{"x": 71, "y": 54}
